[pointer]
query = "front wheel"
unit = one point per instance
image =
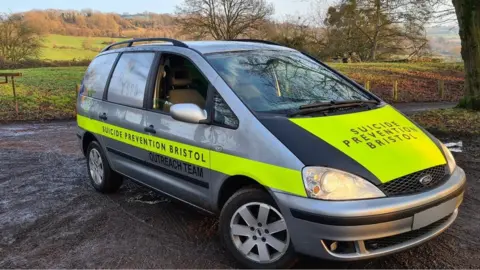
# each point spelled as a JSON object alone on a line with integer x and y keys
{"x": 254, "y": 231}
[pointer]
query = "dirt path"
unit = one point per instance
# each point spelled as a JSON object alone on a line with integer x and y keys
{"x": 414, "y": 107}
{"x": 50, "y": 217}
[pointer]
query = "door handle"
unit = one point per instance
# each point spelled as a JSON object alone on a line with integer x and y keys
{"x": 103, "y": 116}
{"x": 150, "y": 129}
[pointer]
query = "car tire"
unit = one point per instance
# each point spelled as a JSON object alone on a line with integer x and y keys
{"x": 102, "y": 177}
{"x": 252, "y": 244}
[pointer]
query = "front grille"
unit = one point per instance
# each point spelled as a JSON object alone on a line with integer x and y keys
{"x": 410, "y": 184}
{"x": 389, "y": 241}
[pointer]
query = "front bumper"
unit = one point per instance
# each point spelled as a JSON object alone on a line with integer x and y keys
{"x": 353, "y": 230}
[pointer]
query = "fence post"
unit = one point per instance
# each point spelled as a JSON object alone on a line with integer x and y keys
{"x": 395, "y": 90}
{"x": 15, "y": 95}
{"x": 441, "y": 89}
{"x": 367, "y": 85}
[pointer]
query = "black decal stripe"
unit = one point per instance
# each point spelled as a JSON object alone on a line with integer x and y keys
{"x": 311, "y": 150}
{"x": 160, "y": 168}
{"x": 367, "y": 220}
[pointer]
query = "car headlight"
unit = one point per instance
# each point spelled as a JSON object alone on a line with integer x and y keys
{"x": 330, "y": 184}
{"x": 450, "y": 160}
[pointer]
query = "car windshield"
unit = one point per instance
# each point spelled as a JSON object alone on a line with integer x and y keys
{"x": 281, "y": 81}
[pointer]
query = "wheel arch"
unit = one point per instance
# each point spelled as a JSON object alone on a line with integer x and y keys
{"x": 234, "y": 183}
{"x": 87, "y": 138}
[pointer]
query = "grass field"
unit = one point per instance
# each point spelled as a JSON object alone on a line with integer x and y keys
{"x": 399, "y": 67}
{"x": 42, "y": 93}
{"x": 49, "y": 93}
{"x": 58, "y": 47}
{"x": 416, "y": 81}
{"x": 453, "y": 121}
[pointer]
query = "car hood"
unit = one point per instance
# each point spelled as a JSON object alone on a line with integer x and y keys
{"x": 380, "y": 144}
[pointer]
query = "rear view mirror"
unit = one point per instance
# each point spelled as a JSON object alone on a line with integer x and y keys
{"x": 188, "y": 112}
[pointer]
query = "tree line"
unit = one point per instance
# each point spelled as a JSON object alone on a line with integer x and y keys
{"x": 94, "y": 23}
{"x": 352, "y": 30}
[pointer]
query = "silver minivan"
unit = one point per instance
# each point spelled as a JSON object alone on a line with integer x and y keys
{"x": 293, "y": 156}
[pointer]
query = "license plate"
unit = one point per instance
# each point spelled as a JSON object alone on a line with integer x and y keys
{"x": 433, "y": 214}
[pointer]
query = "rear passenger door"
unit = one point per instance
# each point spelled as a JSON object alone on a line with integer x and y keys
{"x": 90, "y": 102}
{"x": 124, "y": 117}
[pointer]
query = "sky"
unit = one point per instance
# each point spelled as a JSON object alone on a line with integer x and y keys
{"x": 282, "y": 7}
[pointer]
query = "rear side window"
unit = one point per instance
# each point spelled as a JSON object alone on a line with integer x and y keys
{"x": 97, "y": 74}
{"x": 129, "y": 79}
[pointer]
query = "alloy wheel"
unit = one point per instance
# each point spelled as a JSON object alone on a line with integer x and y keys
{"x": 96, "y": 166}
{"x": 259, "y": 232}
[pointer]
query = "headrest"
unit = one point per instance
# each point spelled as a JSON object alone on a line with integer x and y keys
{"x": 180, "y": 77}
{"x": 181, "y": 82}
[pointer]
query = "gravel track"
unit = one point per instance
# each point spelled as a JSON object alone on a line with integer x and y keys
{"x": 50, "y": 216}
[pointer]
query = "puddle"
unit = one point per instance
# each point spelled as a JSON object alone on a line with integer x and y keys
{"x": 29, "y": 129}
{"x": 148, "y": 198}
{"x": 17, "y": 131}
{"x": 455, "y": 146}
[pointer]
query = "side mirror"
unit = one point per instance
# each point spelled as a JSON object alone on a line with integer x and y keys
{"x": 188, "y": 112}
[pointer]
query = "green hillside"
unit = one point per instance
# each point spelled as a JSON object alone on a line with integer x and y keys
{"x": 58, "y": 47}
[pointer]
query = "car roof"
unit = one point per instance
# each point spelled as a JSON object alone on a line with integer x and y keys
{"x": 207, "y": 47}
{"x": 210, "y": 47}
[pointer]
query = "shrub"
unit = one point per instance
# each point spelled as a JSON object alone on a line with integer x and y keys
{"x": 35, "y": 63}
{"x": 87, "y": 44}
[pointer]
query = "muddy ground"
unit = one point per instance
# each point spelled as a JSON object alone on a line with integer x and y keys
{"x": 50, "y": 217}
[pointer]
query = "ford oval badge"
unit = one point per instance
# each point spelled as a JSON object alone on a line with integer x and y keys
{"x": 425, "y": 180}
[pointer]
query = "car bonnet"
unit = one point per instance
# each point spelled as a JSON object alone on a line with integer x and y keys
{"x": 379, "y": 144}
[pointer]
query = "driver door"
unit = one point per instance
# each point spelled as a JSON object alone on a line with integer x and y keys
{"x": 180, "y": 165}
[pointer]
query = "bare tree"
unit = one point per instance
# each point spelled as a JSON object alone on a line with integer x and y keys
{"x": 18, "y": 41}
{"x": 377, "y": 28}
{"x": 221, "y": 19}
{"x": 292, "y": 32}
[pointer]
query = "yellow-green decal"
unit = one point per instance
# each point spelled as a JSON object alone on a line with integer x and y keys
{"x": 382, "y": 140}
{"x": 188, "y": 153}
{"x": 284, "y": 179}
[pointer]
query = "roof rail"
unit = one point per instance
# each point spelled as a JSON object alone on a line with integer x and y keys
{"x": 257, "y": 41}
{"x": 131, "y": 41}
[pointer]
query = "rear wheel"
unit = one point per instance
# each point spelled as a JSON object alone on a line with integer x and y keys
{"x": 102, "y": 177}
{"x": 254, "y": 231}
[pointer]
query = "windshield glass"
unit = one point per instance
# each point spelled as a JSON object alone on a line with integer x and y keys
{"x": 281, "y": 81}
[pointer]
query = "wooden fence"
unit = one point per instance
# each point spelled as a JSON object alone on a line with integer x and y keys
{"x": 441, "y": 91}
{"x": 21, "y": 104}
{"x": 12, "y": 77}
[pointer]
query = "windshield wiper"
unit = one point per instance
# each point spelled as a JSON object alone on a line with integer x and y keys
{"x": 333, "y": 102}
{"x": 327, "y": 106}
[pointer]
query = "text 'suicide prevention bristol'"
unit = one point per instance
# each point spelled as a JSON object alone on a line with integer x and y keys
{"x": 381, "y": 134}
{"x": 161, "y": 145}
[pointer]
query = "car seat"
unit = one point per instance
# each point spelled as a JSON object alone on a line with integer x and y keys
{"x": 181, "y": 91}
